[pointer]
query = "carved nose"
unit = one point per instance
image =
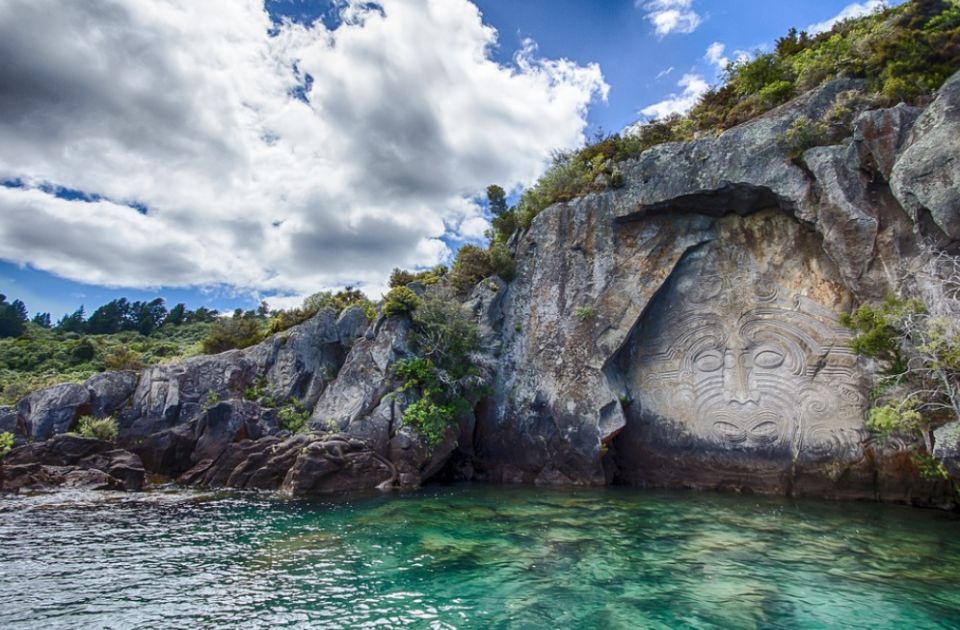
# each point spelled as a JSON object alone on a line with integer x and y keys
{"x": 736, "y": 377}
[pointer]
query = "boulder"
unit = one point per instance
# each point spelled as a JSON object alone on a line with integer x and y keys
{"x": 880, "y": 134}
{"x": 71, "y": 461}
{"x": 946, "y": 448}
{"x": 231, "y": 421}
{"x": 299, "y": 465}
{"x": 12, "y": 423}
{"x": 118, "y": 464}
{"x": 61, "y": 450}
{"x": 110, "y": 391}
{"x": 365, "y": 377}
{"x": 926, "y": 175}
{"x": 52, "y": 410}
{"x": 335, "y": 465}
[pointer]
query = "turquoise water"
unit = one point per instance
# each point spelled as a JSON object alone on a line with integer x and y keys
{"x": 475, "y": 557}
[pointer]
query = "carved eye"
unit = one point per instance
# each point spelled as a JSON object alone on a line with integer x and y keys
{"x": 768, "y": 359}
{"x": 709, "y": 362}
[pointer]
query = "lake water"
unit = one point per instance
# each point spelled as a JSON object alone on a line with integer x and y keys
{"x": 470, "y": 556}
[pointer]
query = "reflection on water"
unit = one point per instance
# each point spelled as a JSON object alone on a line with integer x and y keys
{"x": 474, "y": 556}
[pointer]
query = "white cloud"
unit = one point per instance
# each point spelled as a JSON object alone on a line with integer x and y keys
{"x": 715, "y": 56}
{"x": 670, "y": 16}
{"x": 693, "y": 86}
{"x": 664, "y": 73}
{"x": 186, "y": 107}
{"x": 849, "y": 12}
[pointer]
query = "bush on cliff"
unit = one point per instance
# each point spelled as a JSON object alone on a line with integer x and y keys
{"x": 229, "y": 333}
{"x": 443, "y": 375}
{"x": 105, "y": 429}
{"x": 6, "y": 444}
{"x": 400, "y": 300}
{"x": 917, "y": 342}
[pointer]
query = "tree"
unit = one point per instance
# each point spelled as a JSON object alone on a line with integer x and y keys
{"x": 497, "y": 200}
{"x": 401, "y": 277}
{"x": 13, "y": 317}
{"x": 917, "y": 341}
{"x": 75, "y": 322}
{"x": 177, "y": 315}
{"x": 109, "y": 318}
{"x": 471, "y": 266}
{"x": 145, "y": 317}
{"x": 504, "y": 220}
{"x": 42, "y": 320}
{"x": 201, "y": 315}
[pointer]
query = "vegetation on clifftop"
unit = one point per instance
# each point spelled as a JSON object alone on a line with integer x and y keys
{"x": 904, "y": 54}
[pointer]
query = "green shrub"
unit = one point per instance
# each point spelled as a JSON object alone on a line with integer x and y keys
{"x": 105, "y": 429}
{"x": 229, "y": 333}
{"x": 803, "y": 134}
{"x": 123, "y": 358}
{"x": 401, "y": 277}
{"x": 400, "y": 300}
{"x": 293, "y": 416}
{"x": 429, "y": 418}
{"x": 6, "y": 444}
{"x": 470, "y": 267}
{"x": 442, "y": 374}
{"x": 583, "y": 313}
{"x": 502, "y": 262}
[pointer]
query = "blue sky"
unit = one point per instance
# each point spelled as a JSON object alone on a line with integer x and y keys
{"x": 281, "y": 215}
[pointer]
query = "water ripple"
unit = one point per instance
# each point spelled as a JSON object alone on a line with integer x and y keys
{"x": 473, "y": 556}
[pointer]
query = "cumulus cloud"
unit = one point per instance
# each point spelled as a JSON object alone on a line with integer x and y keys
{"x": 280, "y": 159}
{"x": 671, "y": 16}
{"x": 849, "y": 12}
{"x": 694, "y": 86}
{"x": 715, "y": 56}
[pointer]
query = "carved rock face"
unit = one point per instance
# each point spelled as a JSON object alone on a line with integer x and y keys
{"x": 736, "y": 360}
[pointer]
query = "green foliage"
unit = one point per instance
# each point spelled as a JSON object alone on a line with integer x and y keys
{"x": 430, "y": 418}
{"x": 212, "y": 400}
{"x": 293, "y": 416}
{"x": 444, "y": 332}
{"x": 930, "y": 467}
{"x": 13, "y": 317}
{"x": 105, "y": 429}
{"x": 898, "y": 417}
{"x": 502, "y": 262}
{"x": 443, "y": 374}
{"x": 878, "y": 328}
{"x": 338, "y": 301}
{"x": 470, "y": 267}
{"x": 583, "y": 313}
{"x": 257, "y": 390}
{"x": 6, "y": 444}
{"x": 42, "y": 357}
{"x": 401, "y": 277}
{"x": 803, "y": 134}
{"x": 122, "y": 358}
{"x": 228, "y": 333}
{"x": 400, "y": 300}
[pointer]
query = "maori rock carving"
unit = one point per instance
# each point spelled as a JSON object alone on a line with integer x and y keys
{"x": 739, "y": 362}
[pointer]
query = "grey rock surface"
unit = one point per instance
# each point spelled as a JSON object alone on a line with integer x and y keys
{"x": 47, "y": 412}
{"x": 926, "y": 175}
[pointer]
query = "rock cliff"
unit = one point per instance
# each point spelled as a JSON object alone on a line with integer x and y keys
{"x": 682, "y": 330}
